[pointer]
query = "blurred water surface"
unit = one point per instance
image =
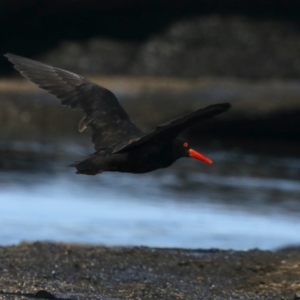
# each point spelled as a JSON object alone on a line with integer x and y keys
{"x": 243, "y": 200}
{"x": 249, "y": 197}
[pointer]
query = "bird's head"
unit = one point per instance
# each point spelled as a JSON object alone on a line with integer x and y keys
{"x": 182, "y": 149}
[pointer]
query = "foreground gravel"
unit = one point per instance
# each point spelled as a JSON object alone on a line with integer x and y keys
{"x": 65, "y": 271}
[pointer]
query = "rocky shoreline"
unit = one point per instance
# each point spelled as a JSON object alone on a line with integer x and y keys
{"x": 260, "y": 110}
{"x": 164, "y": 42}
{"x": 227, "y": 46}
{"x": 67, "y": 271}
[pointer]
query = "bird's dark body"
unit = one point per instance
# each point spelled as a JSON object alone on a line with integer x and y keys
{"x": 120, "y": 145}
{"x": 140, "y": 160}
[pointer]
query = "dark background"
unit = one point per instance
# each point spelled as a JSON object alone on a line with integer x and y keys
{"x": 32, "y": 28}
{"x": 162, "y": 59}
{"x": 243, "y": 52}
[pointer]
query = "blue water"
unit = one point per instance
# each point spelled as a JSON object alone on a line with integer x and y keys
{"x": 242, "y": 201}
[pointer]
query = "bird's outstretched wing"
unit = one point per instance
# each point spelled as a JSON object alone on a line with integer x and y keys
{"x": 109, "y": 122}
{"x": 171, "y": 129}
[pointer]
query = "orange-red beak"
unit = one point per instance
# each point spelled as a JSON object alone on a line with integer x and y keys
{"x": 197, "y": 155}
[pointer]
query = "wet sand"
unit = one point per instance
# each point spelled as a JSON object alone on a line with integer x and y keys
{"x": 65, "y": 271}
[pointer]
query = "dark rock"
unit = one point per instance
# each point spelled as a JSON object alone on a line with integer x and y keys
{"x": 297, "y": 295}
{"x": 223, "y": 46}
{"x": 95, "y": 56}
{"x": 204, "y": 46}
{"x": 42, "y": 294}
{"x": 264, "y": 42}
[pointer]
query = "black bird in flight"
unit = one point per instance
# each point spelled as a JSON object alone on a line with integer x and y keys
{"x": 119, "y": 144}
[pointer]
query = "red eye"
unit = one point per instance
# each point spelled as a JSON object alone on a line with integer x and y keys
{"x": 185, "y": 144}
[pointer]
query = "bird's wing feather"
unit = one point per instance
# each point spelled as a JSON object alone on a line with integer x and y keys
{"x": 109, "y": 122}
{"x": 171, "y": 129}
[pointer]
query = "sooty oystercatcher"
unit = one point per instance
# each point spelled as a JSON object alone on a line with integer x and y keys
{"x": 119, "y": 144}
